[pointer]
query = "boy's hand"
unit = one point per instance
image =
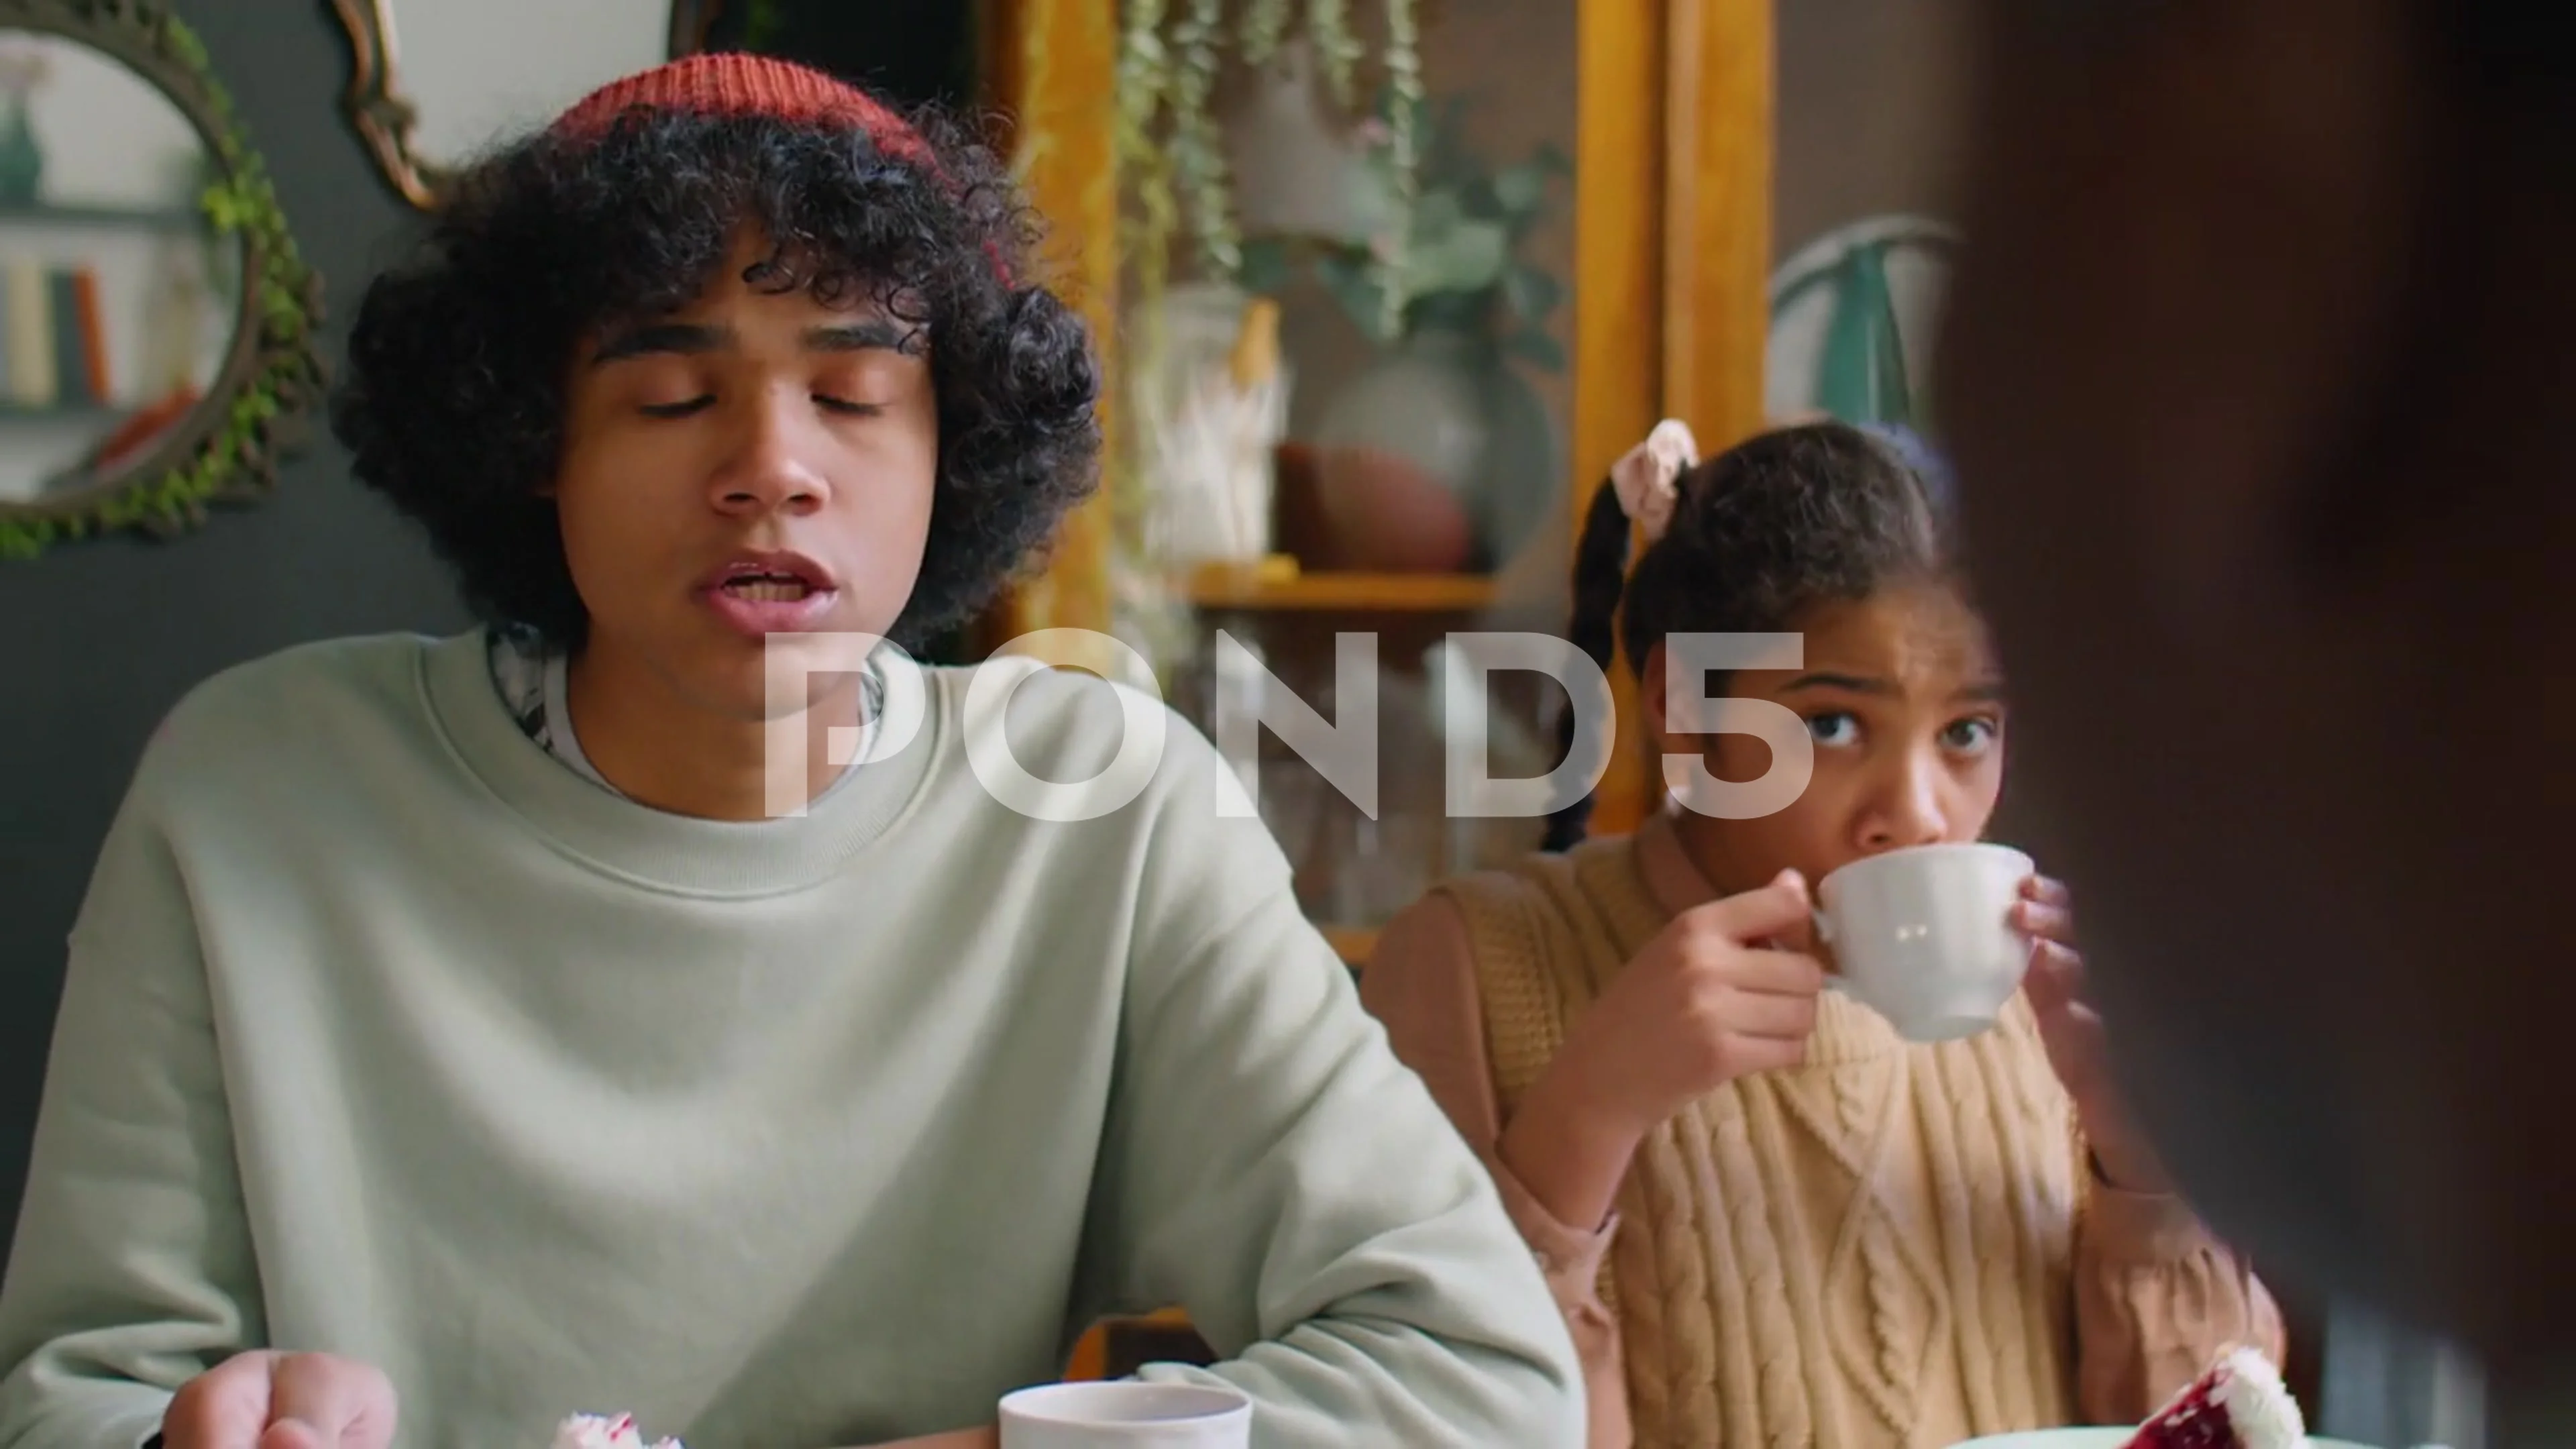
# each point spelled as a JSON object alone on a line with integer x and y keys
{"x": 270, "y": 1400}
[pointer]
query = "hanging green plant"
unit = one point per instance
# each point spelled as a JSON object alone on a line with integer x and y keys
{"x": 1171, "y": 152}
{"x": 1178, "y": 211}
{"x": 1265, "y": 24}
{"x": 1145, "y": 79}
{"x": 1198, "y": 148}
{"x": 1328, "y": 28}
{"x": 225, "y": 448}
{"x": 1403, "y": 165}
{"x": 1454, "y": 254}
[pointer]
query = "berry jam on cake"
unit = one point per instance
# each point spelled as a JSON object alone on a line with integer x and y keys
{"x": 2239, "y": 1404}
{"x": 595, "y": 1431}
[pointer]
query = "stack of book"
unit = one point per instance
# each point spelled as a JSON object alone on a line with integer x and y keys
{"x": 53, "y": 346}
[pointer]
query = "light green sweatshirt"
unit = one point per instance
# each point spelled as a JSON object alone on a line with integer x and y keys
{"x": 388, "y": 1035}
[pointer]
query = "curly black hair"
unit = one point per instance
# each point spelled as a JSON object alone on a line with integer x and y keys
{"x": 1760, "y": 533}
{"x": 453, "y": 401}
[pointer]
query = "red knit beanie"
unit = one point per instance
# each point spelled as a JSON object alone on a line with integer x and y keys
{"x": 729, "y": 83}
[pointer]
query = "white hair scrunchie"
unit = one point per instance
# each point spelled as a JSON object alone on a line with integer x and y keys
{"x": 1646, "y": 477}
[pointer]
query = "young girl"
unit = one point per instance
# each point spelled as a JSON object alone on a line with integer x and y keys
{"x": 1769, "y": 1219}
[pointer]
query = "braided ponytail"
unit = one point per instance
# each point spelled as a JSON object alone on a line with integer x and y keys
{"x": 1600, "y": 573}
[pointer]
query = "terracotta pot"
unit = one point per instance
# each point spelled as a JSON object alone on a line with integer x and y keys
{"x": 1443, "y": 413}
{"x": 1388, "y": 513}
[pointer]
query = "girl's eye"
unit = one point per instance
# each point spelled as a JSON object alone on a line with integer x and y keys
{"x": 847, "y": 408}
{"x": 697, "y": 404}
{"x": 1969, "y": 736}
{"x": 1834, "y": 727}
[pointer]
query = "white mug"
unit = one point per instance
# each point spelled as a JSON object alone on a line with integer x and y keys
{"x": 1126, "y": 1414}
{"x": 1924, "y": 936}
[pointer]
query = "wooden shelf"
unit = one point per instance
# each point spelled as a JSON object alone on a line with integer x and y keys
{"x": 123, "y": 217}
{"x": 1161, "y": 1332}
{"x": 1266, "y": 588}
{"x": 1354, "y": 942}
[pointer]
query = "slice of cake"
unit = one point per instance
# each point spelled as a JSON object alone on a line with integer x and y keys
{"x": 597, "y": 1431}
{"x": 2240, "y": 1403}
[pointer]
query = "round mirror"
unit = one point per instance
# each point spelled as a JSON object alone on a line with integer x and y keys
{"x": 435, "y": 82}
{"x": 119, "y": 301}
{"x": 154, "y": 320}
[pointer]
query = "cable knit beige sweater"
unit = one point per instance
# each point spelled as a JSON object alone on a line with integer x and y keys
{"x": 1891, "y": 1247}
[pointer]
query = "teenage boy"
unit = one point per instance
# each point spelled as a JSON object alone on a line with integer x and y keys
{"x": 460, "y": 1028}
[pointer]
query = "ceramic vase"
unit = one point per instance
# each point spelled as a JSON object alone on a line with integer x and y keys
{"x": 22, "y": 161}
{"x": 1437, "y": 457}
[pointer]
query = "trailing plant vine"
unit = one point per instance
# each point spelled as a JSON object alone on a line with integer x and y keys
{"x": 1457, "y": 256}
{"x": 1171, "y": 152}
{"x": 1404, "y": 109}
{"x": 1178, "y": 216}
{"x": 1328, "y": 28}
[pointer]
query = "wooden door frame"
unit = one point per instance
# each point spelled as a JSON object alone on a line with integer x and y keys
{"x": 1672, "y": 182}
{"x": 1050, "y": 69}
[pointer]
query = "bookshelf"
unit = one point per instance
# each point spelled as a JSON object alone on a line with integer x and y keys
{"x": 75, "y": 412}
{"x": 122, "y": 218}
{"x": 82, "y": 312}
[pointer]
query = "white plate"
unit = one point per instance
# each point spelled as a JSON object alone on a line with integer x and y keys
{"x": 2095, "y": 1440}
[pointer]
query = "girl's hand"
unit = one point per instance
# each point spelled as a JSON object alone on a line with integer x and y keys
{"x": 1703, "y": 1003}
{"x": 2073, "y": 1034}
{"x": 1707, "y": 1001}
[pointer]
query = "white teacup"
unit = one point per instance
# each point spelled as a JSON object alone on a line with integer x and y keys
{"x": 1924, "y": 936}
{"x": 1125, "y": 1414}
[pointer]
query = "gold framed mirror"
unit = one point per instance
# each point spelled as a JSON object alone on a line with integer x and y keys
{"x": 434, "y": 82}
{"x": 156, "y": 321}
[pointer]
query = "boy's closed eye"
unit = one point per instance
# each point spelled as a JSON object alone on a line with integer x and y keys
{"x": 687, "y": 407}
